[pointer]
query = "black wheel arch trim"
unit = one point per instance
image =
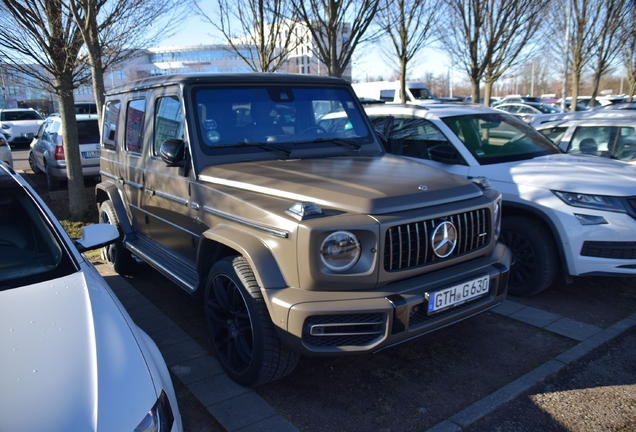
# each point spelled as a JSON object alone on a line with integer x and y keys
{"x": 528, "y": 210}
{"x": 109, "y": 191}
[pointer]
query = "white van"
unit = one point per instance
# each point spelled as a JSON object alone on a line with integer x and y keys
{"x": 389, "y": 91}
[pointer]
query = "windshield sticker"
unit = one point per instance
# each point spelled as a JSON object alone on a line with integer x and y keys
{"x": 213, "y": 136}
{"x": 209, "y": 124}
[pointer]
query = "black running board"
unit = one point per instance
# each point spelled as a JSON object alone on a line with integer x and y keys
{"x": 172, "y": 267}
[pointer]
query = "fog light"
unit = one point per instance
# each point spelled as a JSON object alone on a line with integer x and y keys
{"x": 590, "y": 220}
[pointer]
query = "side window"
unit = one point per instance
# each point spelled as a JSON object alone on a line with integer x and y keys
{"x": 591, "y": 140}
{"x": 111, "y": 120}
{"x": 554, "y": 134}
{"x": 387, "y": 95}
{"x": 411, "y": 136}
{"x": 168, "y": 121}
{"x": 135, "y": 115}
{"x": 626, "y": 144}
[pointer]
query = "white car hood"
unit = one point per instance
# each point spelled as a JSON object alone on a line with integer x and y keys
{"x": 569, "y": 173}
{"x": 68, "y": 360}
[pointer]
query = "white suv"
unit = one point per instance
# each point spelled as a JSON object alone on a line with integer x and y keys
{"x": 571, "y": 212}
{"x": 19, "y": 125}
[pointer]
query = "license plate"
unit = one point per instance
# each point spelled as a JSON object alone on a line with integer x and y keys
{"x": 457, "y": 294}
{"x": 91, "y": 154}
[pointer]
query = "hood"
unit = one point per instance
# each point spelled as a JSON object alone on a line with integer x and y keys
{"x": 571, "y": 173}
{"x": 367, "y": 185}
{"x": 68, "y": 360}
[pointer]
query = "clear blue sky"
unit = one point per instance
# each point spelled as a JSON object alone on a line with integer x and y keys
{"x": 367, "y": 63}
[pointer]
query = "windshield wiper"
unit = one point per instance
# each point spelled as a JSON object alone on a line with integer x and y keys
{"x": 265, "y": 146}
{"x": 342, "y": 142}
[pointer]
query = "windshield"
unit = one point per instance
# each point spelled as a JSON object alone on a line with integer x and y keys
{"x": 421, "y": 93}
{"x": 277, "y": 119}
{"x": 20, "y": 115}
{"x": 496, "y": 138}
{"x": 31, "y": 251}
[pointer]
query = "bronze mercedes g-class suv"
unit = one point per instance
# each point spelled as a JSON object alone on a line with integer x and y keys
{"x": 271, "y": 197}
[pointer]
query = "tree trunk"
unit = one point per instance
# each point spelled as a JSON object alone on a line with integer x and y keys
{"x": 575, "y": 90}
{"x": 403, "y": 97}
{"x": 97, "y": 68}
{"x": 77, "y": 202}
{"x": 474, "y": 89}
{"x": 487, "y": 92}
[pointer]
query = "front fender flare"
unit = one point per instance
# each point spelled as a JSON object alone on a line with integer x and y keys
{"x": 254, "y": 249}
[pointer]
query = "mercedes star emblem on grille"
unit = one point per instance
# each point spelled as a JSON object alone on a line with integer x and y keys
{"x": 444, "y": 239}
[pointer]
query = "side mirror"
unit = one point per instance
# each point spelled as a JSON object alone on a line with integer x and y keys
{"x": 172, "y": 152}
{"x": 445, "y": 154}
{"x": 96, "y": 236}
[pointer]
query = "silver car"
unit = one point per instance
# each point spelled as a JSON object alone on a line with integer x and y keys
{"x": 47, "y": 150}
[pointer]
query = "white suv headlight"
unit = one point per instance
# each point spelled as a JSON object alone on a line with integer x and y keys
{"x": 594, "y": 202}
{"x": 340, "y": 251}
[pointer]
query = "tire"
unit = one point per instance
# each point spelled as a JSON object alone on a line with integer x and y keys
{"x": 53, "y": 183}
{"x": 242, "y": 332}
{"x": 535, "y": 259}
{"x": 116, "y": 255}
{"x": 33, "y": 164}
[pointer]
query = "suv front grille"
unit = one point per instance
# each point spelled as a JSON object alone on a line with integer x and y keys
{"x": 409, "y": 245}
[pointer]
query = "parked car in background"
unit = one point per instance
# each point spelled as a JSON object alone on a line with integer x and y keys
{"x": 575, "y": 213}
{"x": 389, "y": 91}
{"x": 19, "y": 125}
{"x": 71, "y": 358}
{"x": 301, "y": 238}
{"x": 621, "y": 106}
{"x": 47, "y": 150}
{"x": 610, "y": 138}
{"x": 588, "y": 114}
{"x": 527, "y": 111}
{"x": 5, "y": 151}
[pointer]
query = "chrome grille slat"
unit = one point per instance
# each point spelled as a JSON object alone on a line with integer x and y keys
{"x": 408, "y": 245}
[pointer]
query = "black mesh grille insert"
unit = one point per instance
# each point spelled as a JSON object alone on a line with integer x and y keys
{"x": 409, "y": 245}
{"x": 614, "y": 250}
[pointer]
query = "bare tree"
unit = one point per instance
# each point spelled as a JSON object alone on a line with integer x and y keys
{"x": 613, "y": 30}
{"x": 114, "y": 30}
{"x": 261, "y": 24}
{"x": 408, "y": 24}
{"x": 487, "y": 37}
{"x": 583, "y": 36}
{"x": 337, "y": 27}
{"x": 629, "y": 53}
{"x": 42, "y": 37}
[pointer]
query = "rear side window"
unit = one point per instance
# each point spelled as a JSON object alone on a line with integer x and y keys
{"x": 135, "y": 115}
{"x": 111, "y": 118}
{"x": 387, "y": 95}
{"x": 168, "y": 121}
{"x": 88, "y": 132}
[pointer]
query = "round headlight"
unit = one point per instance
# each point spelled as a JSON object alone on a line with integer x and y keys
{"x": 340, "y": 251}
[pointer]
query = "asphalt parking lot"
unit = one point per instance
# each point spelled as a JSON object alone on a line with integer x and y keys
{"x": 561, "y": 360}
